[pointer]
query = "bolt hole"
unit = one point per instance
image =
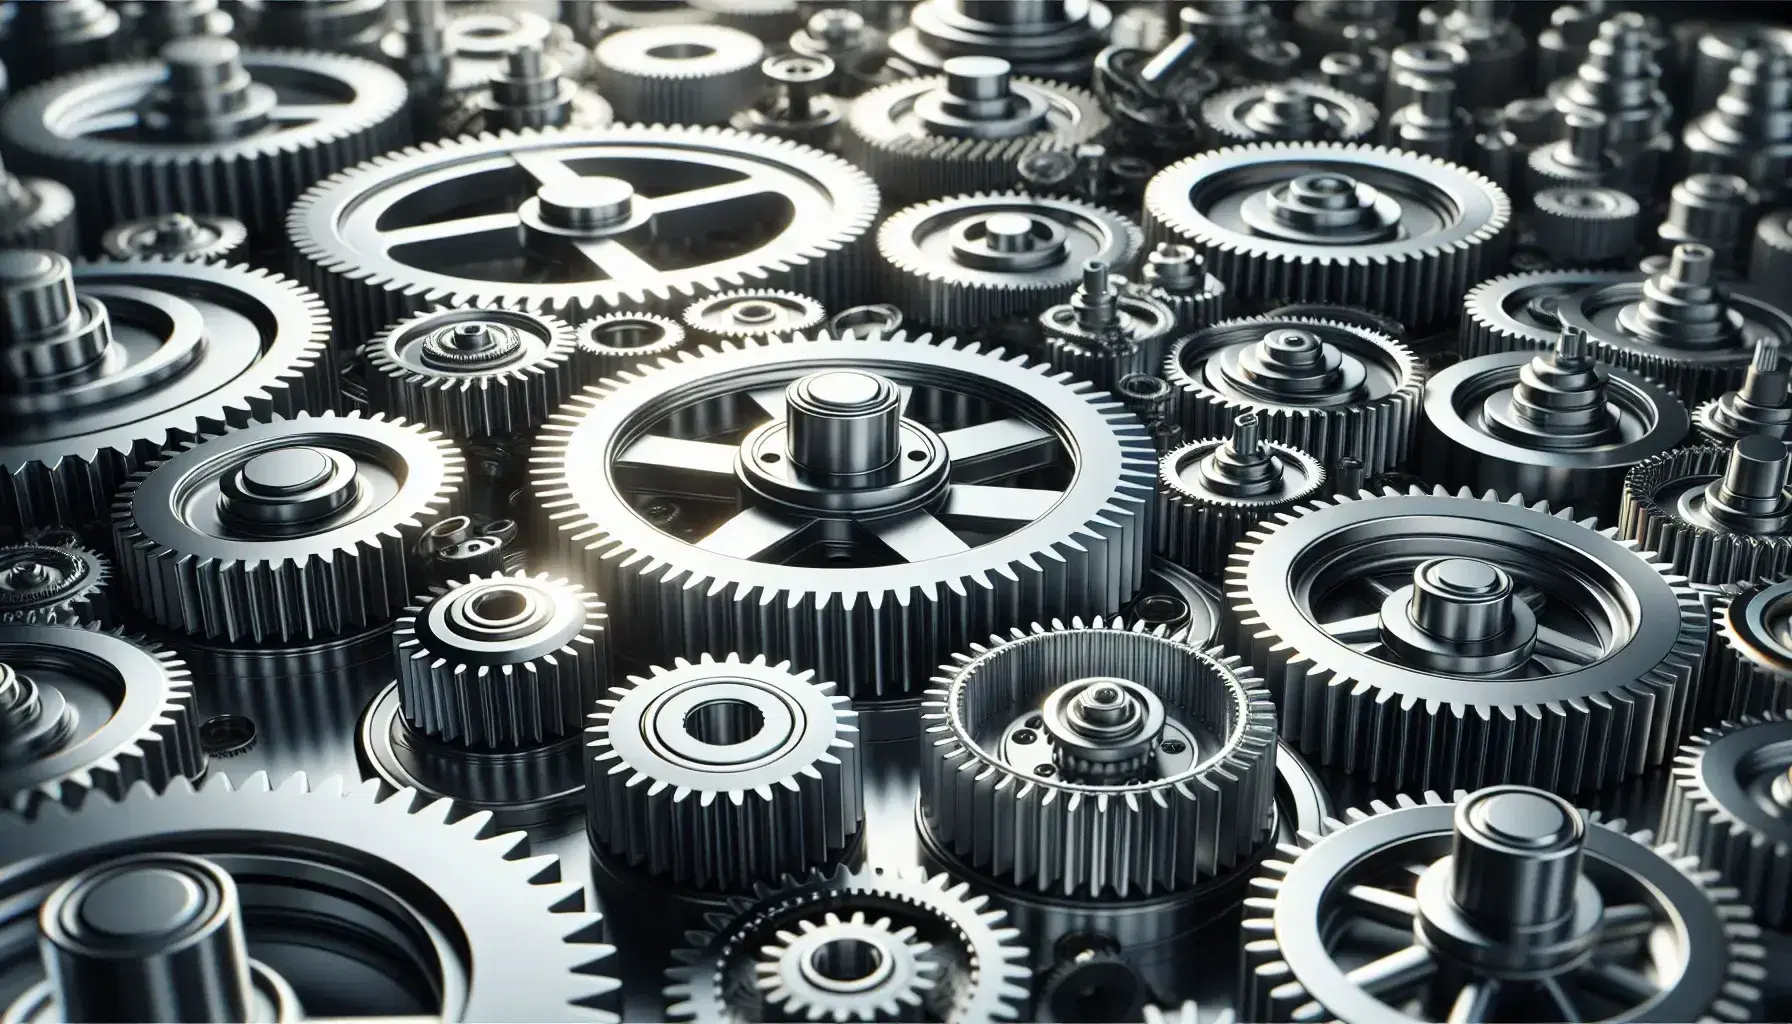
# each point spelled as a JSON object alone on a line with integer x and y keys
{"x": 1025, "y": 736}
{"x": 724, "y": 723}
{"x": 226, "y": 735}
{"x": 770, "y": 457}
{"x": 917, "y": 456}
{"x": 1172, "y": 747}
{"x": 681, "y": 51}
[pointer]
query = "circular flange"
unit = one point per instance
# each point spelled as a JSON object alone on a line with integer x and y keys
{"x": 1522, "y": 312}
{"x": 754, "y": 313}
{"x": 1210, "y": 494}
{"x": 202, "y": 236}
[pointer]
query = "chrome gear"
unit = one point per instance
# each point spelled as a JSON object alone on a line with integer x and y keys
{"x": 901, "y": 971}
{"x": 1728, "y": 805}
{"x": 753, "y": 313}
{"x": 1213, "y": 491}
{"x": 1716, "y": 514}
{"x": 1750, "y": 666}
{"x": 176, "y": 236}
{"x": 1519, "y": 312}
{"x": 618, "y": 341}
{"x": 678, "y": 74}
{"x": 1292, "y": 111}
{"x": 53, "y": 584}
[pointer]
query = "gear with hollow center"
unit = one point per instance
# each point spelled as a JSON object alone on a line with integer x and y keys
{"x": 1730, "y": 805}
{"x": 1749, "y": 670}
{"x": 1504, "y": 904}
{"x": 1717, "y": 514}
{"x": 201, "y": 236}
{"x": 1761, "y": 405}
{"x": 714, "y": 774}
{"x": 825, "y": 487}
{"x": 1214, "y": 491}
{"x": 1438, "y": 640}
{"x": 1292, "y": 111}
{"x": 753, "y": 313}
{"x": 800, "y": 971}
{"x": 616, "y": 342}
{"x": 678, "y": 74}
{"x": 53, "y": 584}
{"x": 1523, "y": 312}
{"x": 37, "y": 213}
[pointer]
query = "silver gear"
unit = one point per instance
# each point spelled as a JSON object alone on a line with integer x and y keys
{"x": 1585, "y": 224}
{"x": 793, "y": 987}
{"x": 714, "y": 234}
{"x": 1177, "y": 276}
{"x": 924, "y": 593}
{"x": 1097, "y": 759}
{"x": 473, "y": 372}
{"x": 508, "y": 660}
{"x": 1401, "y": 233}
{"x": 529, "y": 89}
{"x": 1761, "y": 405}
{"x": 1107, "y": 331}
{"x": 943, "y": 269}
{"x": 678, "y": 74}
{"x": 477, "y": 38}
{"x": 1749, "y": 670}
{"x": 37, "y": 213}
{"x": 53, "y": 584}
{"x": 1717, "y": 514}
{"x": 176, "y": 236}
{"x": 365, "y": 487}
{"x": 1330, "y": 389}
{"x": 1518, "y": 312}
{"x": 89, "y": 710}
{"x": 1577, "y": 667}
{"x": 1726, "y": 805}
{"x": 1291, "y": 111}
{"x": 753, "y": 313}
{"x": 1214, "y": 491}
{"x": 680, "y": 784}
{"x": 619, "y": 341}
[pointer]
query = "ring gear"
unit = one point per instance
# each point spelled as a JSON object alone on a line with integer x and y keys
{"x": 201, "y": 236}
{"x": 1328, "y": 388}
{"x": 1585, "y": 225}
{"x": 1331, "y": 222}
{"x": 620, "y": 341}
{"x": 37, "y": 213}
{"x": 42, "y": 584}
{"x": 1291, "y": 111}
{"x": 1518, "y": 312}
{"x": 1727, "y": 804}
{"x": 1761, "y": 405}
{"x": 1750, "y": 666}
{"x": 86, "y": 709}
{"x": 473, "y": 372}
{"x": 753, "y": 314}
{"x": 681, "y": 784}
{"x": 206, "y": 544}
{"x": 1214, "y": 491}
{"x": 678, "y": 74}
{"x": 1097, "y": 759}
{"x": 1572, "y": 664}
{"x": 1077, "y": 547}
{"x": 1717, "y": 514}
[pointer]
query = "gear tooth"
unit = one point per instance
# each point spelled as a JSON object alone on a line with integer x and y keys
{"x": 1198, "y": 526}
{"x": 1350, "y": 118}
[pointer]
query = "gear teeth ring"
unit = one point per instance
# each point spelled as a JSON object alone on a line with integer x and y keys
{"x": 1750, "y": 665}
{"x": 1713, "y": 811}
{"x": 1211, "y": 493}
{"x": 1716, "y": 513}
{"x": 53, "y": 584}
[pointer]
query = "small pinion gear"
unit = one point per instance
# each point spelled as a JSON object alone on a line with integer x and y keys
{"x": 1750, "y": 666}
{"x": 49, "y": 583}
{"x": 1716, "y": 513}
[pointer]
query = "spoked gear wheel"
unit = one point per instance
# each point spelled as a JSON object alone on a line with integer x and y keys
{"x": 1330, "y": 222}
{"x": 1438, "y": 640}
{"x": 1750, "y": 666}
{"x": 334, "y": 881}
{"x": 1413, "y": 912}
{"x": 53, "y": 583}
{"x": 1728, "y": 806}
{"x": 978, "y": 490}
{"x": 576, "y": 223}
{"x": 1522, "y": 312}
{"x": 1716, "y": 513}
{"x": 981, "y": 972}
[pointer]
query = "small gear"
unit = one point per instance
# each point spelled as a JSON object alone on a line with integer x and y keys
{"x": 332, "y": 26}
{"x": 1214, "y": 491}
{"x": 205, "y": 542}
{"x": 1332, "y": 222}
{"x": 678, "y": 74}
{"x": 753, "y": 314}
{"x": 1056, "y": 40}
{"x": 1770, "y": 257}
{"x": 1585, "y": 225}
{"x": 473, "y": 372}
{"x": 1292, "y": 111}
{"x": 1578, "y": 157}
{"x": 42, "y": 41}
{"x": 769, "y": 20}
{"x": 84, "y": 709}
{"x": 1727, "y": 805}
{"x": 794, "y": 106}
{"x": 182, "y": 236}
{"x": 1746, "y": 134}
{"x": 1092, "y": 981}
{"x": 1430, "y": 639}
{"x": 529, "y": 90}
{"x": 478, "y": 39}
{"x": 982, "y": 973}
{"x": 875, "y": 320}
{"x": 1750, "y": 667}
{"x": 964, "y": 130}
{"x": 53, "y": 584}
{"x": 1107, "y": 331}
{"x": 1330, "y": 389}
{"x": 37, "y": 213}
{"x": 970, "y": 261}
{"x": 1097, "y": 759}
{"x": 1177, "y": 276}
{"x": 619, "y": 341}
{"x": 1404, "y": 911}
{"x": 808, "y": 970}
{"x": 1713, "y": 210}
{"x": 1716, "y": 513}
{"x": 1518, "y": 312}
{"x": 1762, "y": 405}
{"x": 713, "y": 774}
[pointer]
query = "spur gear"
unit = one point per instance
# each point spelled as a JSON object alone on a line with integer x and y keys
{"x": 1730, "y": 805}
{"x": 799, "y": 972}
{"x": 1716, "y": 513}
{"x": 1292, "y": 111}
{"x": 1097, "y": 759}
{"x": 981, "y": 974}
{"x": 1214, "y": 491}
{"x": 572, "y": 236}
{"x": 205, "y": 128}
{"x": 678, "y": 74}
{"x": 293, "y": 529}
{"x": 86, "y": 710}
{"x": 1328, "y": 388}
{"x": 176, "y": 236}
{"x": 478, "y": 40}
{"x": 713, "y": 774}
{"x": 1750, "y": 666}
{"x": 620, "y": 341}
{"x": 878, "y": 502}
{"x": 1177, "y": 276}
{"x": 476, "y": 913}
{"x": 969, "y": 261}
{"x": 1331, "y": 222}
{"x": 1520, "y": 312}
{"x": 53, "y": 584}
{"x": 1762, "y": 405}
{"x": 1107, "y": 331}
{"x": 964, "y": 130}
{"x": 1586, "y": 225}
{"x": 1503, "y": 904}
{"x": 531, "y": 89}
{"x": 1053, "y": 39}
{"x": 37, "y": 213}
{"x": 1438, "y": 640}
{"x": 752, "y": 314}
{"x": 167, "y": 351}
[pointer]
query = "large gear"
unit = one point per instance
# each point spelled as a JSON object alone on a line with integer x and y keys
{"x": 172, "y": 349}
{"x": 1727, "y": 805}
{"x": 982, "y": 973}
{"x": 1097, "y": 759}
{"x": 206, "y": 541}
{"x": 208, "y": 128}
{"x": 715, "y": 774}
{"x": 84, "y": 710}
{"x": 477, "y": 914}
{"x": 937, "y": 552}
{"x": 1750, "y": 666}
{"x": 1406, "y": 911}
{"x": 50, "y": 583}
{"x": 1328, "y": 388}
{"x": 1520, "y": 312}
{"x": 679, "y": 74}
{"x": 1213, "y": 491}
{"x": 1717, "y": 514}
{"x": 573, "y": 237}
{"x": 1332, "y": 222}
{"x": 1573, "y": 664}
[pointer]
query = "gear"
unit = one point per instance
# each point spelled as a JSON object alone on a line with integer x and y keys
{"x": 53, "y": 584}
{"x": 1750, "y": 666}
{"x": 1330, "y": 222}
{"x": 1748, "y": 134}
{"x": 176, "y": 236}
{"x": 474, "y": 372}
{"x": 1327, "y": 388}
{"x": 1405, "y": 911}
{"x": 1727, "y": 804}
{"x": 1519, "y": 312}
{"x": 167, "y": 350}
{"x": 1713, "y": 210}
{"x": 964, "y": 130}
{"x": 1579, "y": 157}
{"x": 876, "y": 320}
{"x": 1620, "y": 82}
{"x": 713, "y": 774}
{"x": 763, "y": 19}
{"x": 809, "y": 970}
{"x": 37, "y": 213}
{"x": 1051, "y": 40}
{"x": 716, "y": 209}
{"x": 1092, "y": 981}
{"x": 41, "y": 41}
{"x": 1097, "y": 759}
{"x": 208, "y": 128}
{"x": 1717, "y": 514}
{"x": 206, "y": 542}
{"x": 1762, "y": 405}
{"x": 1177, "y": 276}
{"x": 1770, "y": 257}
{"x": 808, "y": 434}
{"x": 84, "y": 710}
{"x": 317, "y": 856}
{"x": 1292, "y": 111}
{"x": 478, "y": 40}
{"x": 1214, "y": 491}
{"x": 1107, "y": 331}
{"x": 529, "y": 90}
{"x": 621, "y": 341}
{"x": 969, "y": 261}
{"x": 794, "y": 106}
{"x": 1585, "y": 225}
{"x": 1186, "y": 1013}
{"x": 679, "y": 74}
{"x": 1432, "y": 640}
{"x": 334, "y": 26}
{"x": 753, "y": 314}
{"x": 982, "y": 973}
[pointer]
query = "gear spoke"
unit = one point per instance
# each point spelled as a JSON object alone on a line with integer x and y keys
{"x": 1626, "y": 921}
{"x": 1395, "y": 972}
{"x": 918, "y": 536}
{"x": 461, "y": 229}
{"x": 976, "y": 506}
{"x": 1356, "y": 629}
{"x": 1474, "y": 1004}
{"x": 1566, "y": 1010}
{"x": 616, "y": 260}
{"x": 1617, "y": 982}
{"x": 680, "y": 466}
{"x": 1383, "y": 904}
{"x": 1559, "y": 646}
{"x": 546, "y": 170}
{"x": 758, "y": 535}
{"x": 700, "y": 200}
{"x": 1374, "y": 586}
{"x": 999, "y": 448}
